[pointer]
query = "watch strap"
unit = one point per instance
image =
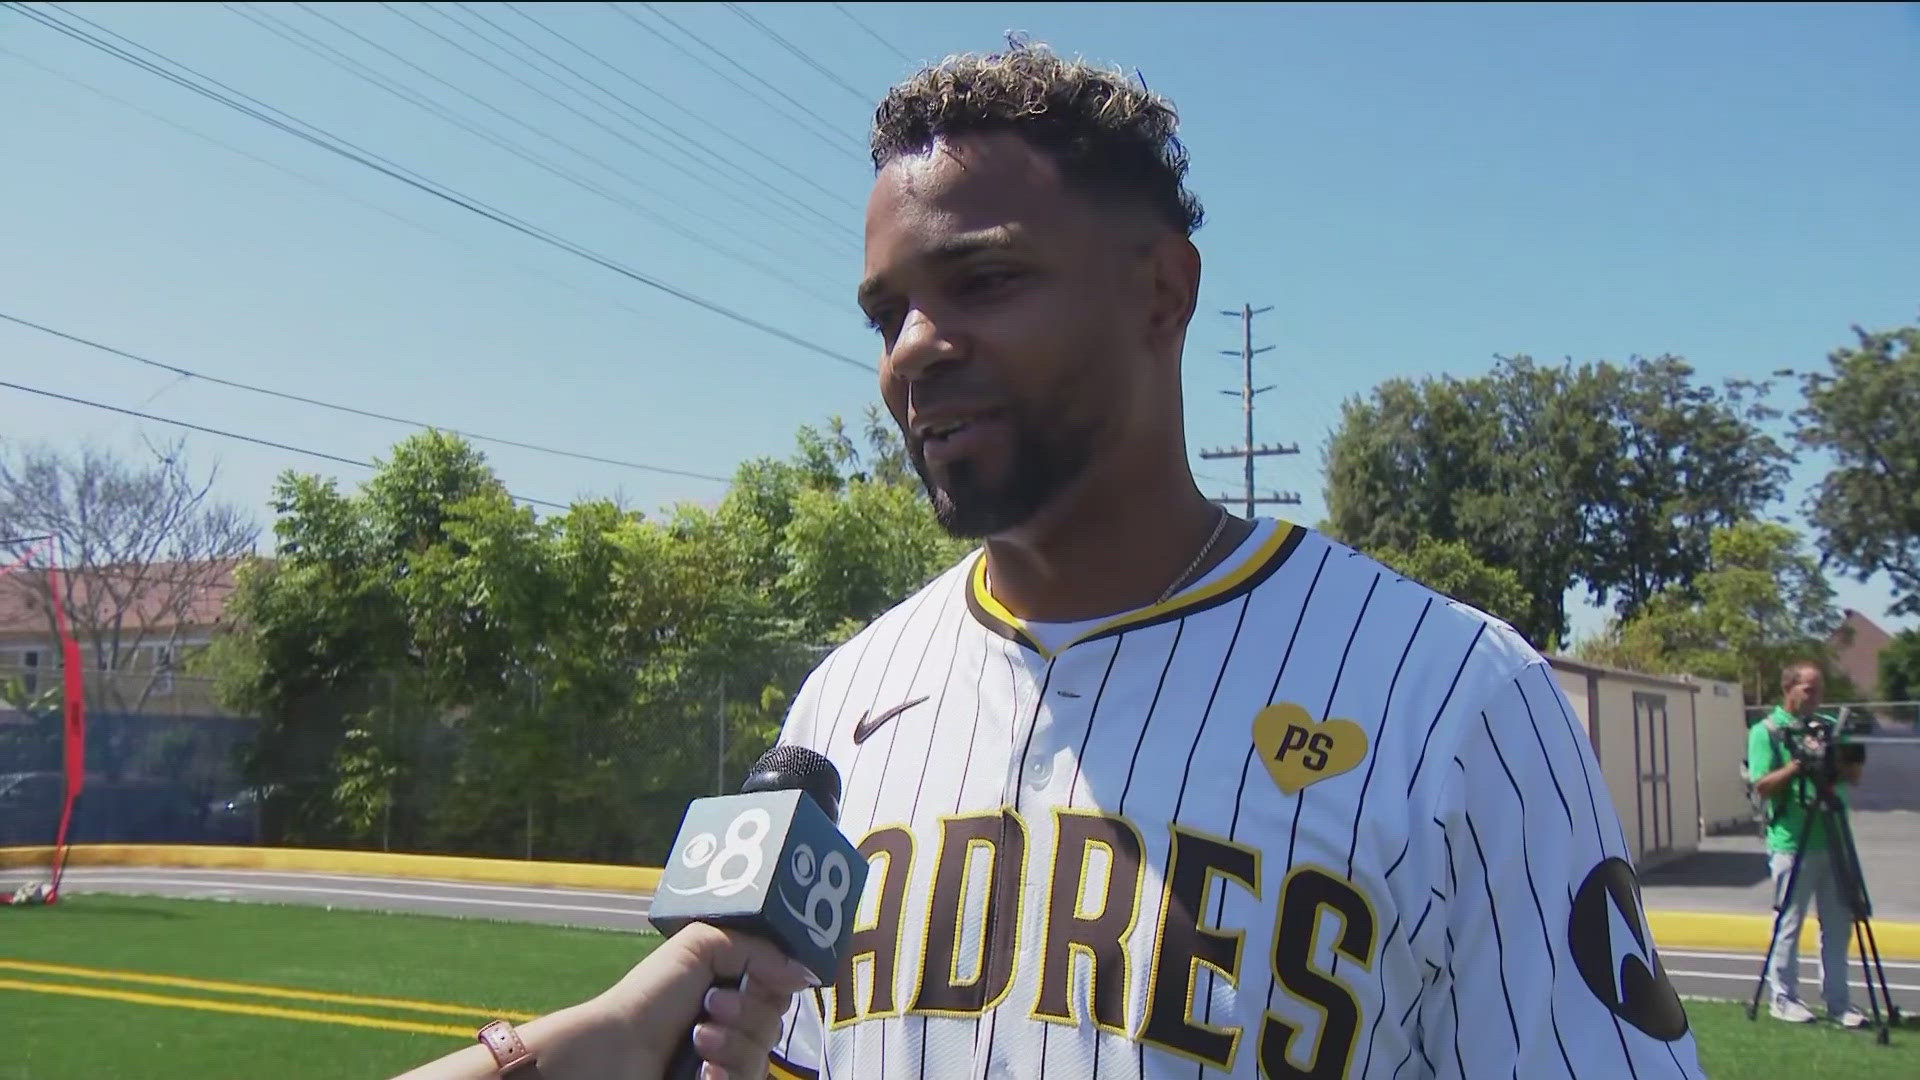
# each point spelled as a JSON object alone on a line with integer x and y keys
{"x": 510, "y": 1054}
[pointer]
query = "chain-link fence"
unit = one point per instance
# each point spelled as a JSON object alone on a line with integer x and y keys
{"x": 537, "y": 770}
{"x": 153, "y": 771}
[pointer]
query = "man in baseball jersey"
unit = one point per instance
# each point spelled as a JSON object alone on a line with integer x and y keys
{"x": 1149, "y": 790}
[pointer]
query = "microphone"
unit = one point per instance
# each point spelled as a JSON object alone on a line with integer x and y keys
{"x": 769, "y": 861}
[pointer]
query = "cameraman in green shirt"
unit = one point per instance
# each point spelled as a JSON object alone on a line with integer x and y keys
{"x": 1787, "y": 791}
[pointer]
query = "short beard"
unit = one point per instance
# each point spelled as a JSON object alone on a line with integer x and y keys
{"x": 1040, "y": 468}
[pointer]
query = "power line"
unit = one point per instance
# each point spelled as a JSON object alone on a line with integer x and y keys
{"x": 252, "y": 110}
{"x": 742, "y": 68}
{"x": 783, "y": 222}
{"x": 323, "y": 185}
{"x": 336, "y": 190}
{"x": 837, "y": 225}
{"x": 235, "y": 435}
{"x": 780, "y": 40}
{"x": 187, "y": 373}
{"x": 361, "y": 156}
{"x": 335, "y": 57}
{"x": 828, "y": 138}
{"x": 336, "y": 145}
{"x": 229, "y": 147}
{"x": 871, "y": 32}
{"x": 722, "y": 132}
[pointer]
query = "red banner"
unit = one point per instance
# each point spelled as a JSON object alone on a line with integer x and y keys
{"x": 73, "y": 693}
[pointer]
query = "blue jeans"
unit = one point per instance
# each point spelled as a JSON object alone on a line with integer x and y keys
{"x": 1818, "y": 884}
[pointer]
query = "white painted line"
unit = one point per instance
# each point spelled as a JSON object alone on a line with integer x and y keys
{"x": 1756, "y": 956}
{"x": 1755, "y": 977}
{"x": 79, "y": 872}
{"x": 376, "y": 894}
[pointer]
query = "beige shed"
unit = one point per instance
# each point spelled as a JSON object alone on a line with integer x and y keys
{"x": 1668, "y": 747}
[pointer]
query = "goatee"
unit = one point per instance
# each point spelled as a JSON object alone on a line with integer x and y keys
{"x": 971, "y": 507}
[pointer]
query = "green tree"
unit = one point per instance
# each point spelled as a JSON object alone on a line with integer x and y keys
{"x": 34, "y": 742}
{"x": 1683, "y": 461}
{"x": 1451, "y": 568}
{"x": 325, "y": 644}
{"x": 851, "y": 555}
{"x": 438, "y": 668}
{"x": 1611, "y": 476}
{"x": 837, "y": 534}
{"x": 1861, "y": 413}
{"x": 1900, "y": 667}
{"x": 1762, "y": 603}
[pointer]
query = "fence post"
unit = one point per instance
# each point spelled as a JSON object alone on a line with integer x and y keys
{"x": 720, "y": 739}
{"x": 386, "y": 766}
{"x": 533, "y": 703}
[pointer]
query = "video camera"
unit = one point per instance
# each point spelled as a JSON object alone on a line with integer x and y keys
{"x": 1815, "y": 743}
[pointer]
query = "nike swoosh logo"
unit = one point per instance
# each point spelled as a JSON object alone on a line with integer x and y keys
{"x": 867, "y": 726}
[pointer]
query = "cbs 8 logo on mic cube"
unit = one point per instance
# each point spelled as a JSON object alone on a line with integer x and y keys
{"x": 770, "y": 863}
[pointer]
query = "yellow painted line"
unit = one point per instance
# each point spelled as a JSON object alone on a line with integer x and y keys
{"x": 1721, "y": 931}
{"x": 238, "y": 1008}
{"x": 366, "y": 863}
{"x": 1672, "y": 928}
{"x": 256, "y": 990}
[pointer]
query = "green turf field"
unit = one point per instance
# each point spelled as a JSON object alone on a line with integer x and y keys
{"x": 94, "y": 988}
{"x": 422, "y": 960}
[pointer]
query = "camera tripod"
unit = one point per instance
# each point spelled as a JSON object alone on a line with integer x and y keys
{"x": 1826, "y": 809}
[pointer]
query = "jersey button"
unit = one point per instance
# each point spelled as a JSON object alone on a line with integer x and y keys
{"x": 1039, "y": 771}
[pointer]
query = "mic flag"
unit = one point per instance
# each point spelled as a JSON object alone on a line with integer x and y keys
{"x": 769, "y": 861}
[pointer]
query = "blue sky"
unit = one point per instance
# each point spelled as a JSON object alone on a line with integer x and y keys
{"x": 1414, "y": 189}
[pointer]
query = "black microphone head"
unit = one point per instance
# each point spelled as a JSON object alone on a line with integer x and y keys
{"x": 785, "y": 768}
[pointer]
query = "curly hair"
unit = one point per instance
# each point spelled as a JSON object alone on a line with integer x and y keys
{"x": 1111, "y": 138}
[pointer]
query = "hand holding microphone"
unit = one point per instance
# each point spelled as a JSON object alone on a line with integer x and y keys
{"x": 757, "y": 901}
{"x": 630, "y": 1031}
{"x": 769, "y": 862}
{"x": 697, "y": 976}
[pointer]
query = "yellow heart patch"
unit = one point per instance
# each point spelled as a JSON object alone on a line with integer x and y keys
{"x": 1299, "y": 751}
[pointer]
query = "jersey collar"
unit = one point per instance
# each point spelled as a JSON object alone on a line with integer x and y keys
{"x": 1255, "y": 569}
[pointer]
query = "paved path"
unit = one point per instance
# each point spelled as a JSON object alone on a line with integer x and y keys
{"x": 1729, "y": 873}
{"x": 1732, "y": 975}
{"x": 516, "y": 903}
{"x": 1699, "y": 974}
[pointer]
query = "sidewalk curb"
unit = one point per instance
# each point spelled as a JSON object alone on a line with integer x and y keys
{"x": 362, "y": 863}
{"x": 1722, "y": 931}
{"x": 1672, "y": 928}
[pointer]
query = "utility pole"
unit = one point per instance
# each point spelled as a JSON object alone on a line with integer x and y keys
{"x": 1247, "y": 450}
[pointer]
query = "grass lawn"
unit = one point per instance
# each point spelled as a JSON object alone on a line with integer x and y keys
{"x": 424, "y": 958}
{"x": 199, "y": 949}
{"x": 1735, "y": 1048}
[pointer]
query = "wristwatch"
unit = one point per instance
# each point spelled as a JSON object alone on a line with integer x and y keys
{"x": 510, "y": 1055}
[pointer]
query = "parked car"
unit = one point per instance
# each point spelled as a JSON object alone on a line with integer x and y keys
{"x": 137, "y": 811}
{"x": 30, "y": 804}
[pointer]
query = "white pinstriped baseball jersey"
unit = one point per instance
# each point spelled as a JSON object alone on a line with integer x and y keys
{"x": 1307, "y": 819}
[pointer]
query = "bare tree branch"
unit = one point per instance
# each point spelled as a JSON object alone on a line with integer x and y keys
{"x": 145, "y": 551}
